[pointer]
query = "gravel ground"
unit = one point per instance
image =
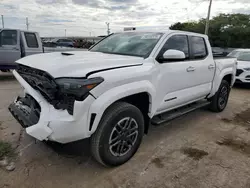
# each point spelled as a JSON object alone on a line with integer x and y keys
{"x": 201, "y": 149}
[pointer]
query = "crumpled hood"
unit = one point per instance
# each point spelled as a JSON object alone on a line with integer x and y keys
{"x": 243, "y": 64}
{"x": 77, "y": 63}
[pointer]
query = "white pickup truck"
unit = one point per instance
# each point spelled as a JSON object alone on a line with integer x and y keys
{"x": 114, "y": 91}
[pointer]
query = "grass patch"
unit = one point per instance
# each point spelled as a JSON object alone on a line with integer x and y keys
{"x": 194, "y": 153}
{"x": 6, "y": 150}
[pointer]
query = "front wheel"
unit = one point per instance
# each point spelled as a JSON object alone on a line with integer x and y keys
{"x": 220, "y": 99}
{"x": 119, "y": 134}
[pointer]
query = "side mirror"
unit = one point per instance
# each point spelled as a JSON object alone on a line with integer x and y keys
{"x": 174, "y": 55}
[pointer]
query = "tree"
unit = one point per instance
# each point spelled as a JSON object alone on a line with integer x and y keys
{"x": 226, "y": 30}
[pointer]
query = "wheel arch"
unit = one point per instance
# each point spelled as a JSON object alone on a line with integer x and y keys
{"x": 228, "y": 78}
{"x": 142, "y": 101}
{"x": 129, "y": 93}
{"x": 226, "y": 74}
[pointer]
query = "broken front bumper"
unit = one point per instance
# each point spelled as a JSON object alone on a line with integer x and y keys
{"x": 52, "y": 124}
{"x": 26, "y": 111}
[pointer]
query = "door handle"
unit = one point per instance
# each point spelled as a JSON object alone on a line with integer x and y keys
{"x": 190, "y": 69}
{"x": 211, "y": 66}
{"x": 15, "y": 48}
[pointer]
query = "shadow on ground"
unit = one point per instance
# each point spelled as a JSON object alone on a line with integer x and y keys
{"x": 242, "y": 86}
{"x": 6, "y": 77}
{"x": 74, "y": 149}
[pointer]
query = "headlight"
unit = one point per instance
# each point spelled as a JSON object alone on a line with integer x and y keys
{"x": 78, "y": 87}
{"x": 247, "y": 69}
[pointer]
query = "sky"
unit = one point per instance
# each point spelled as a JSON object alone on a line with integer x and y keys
{"x": 89, "y": 17}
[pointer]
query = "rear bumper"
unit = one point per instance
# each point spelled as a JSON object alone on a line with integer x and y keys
{"x": 54, "y": 125}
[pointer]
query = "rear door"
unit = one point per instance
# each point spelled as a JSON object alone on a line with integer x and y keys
{"x": 31, "y": 43}
{"x": 9, "y": 48}
{"x": 185, "y": 81}
{"x": 203, "y": 63}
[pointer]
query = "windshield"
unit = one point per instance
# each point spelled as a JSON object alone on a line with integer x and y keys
{"x": 130, "y": 43}
{"x": 244, "y": 56}
{"x": 234, "y": 53}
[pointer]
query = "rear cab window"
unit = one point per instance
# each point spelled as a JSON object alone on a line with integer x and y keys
{"x": 31, "y": 40}
{"x": 8, "y": 37}
{"x": 199, "y": 47}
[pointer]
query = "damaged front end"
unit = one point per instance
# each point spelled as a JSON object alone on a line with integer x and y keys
{"x": 26, "y": 110}
{"x": 53, "y": 108}
{"x": 47, "y": 87}
{"x": 60, "y": 92}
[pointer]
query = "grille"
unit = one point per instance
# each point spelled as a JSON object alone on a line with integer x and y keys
{"x": 46, "y": 85}
{"x": 40, "y": 81}
{"x": 238, "y": 72}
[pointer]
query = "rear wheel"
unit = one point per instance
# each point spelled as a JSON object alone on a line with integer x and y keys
{"x": 220, "y": 99}
{"x": 119, "y": 134}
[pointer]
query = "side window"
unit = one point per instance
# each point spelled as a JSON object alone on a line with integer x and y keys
{"x": 199, "y": 48}
{"x": 177, "y": 42}
{"x": 8, "y": 37}
{"x": 31, "y": 40}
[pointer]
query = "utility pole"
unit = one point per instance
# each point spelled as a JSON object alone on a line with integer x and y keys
{"x": 208, "y": 17}
{"x": 2, "y": 21}
{"x": 65, "y": 32}
{"x": 108, "y": 29}
{"x": 27, "y": 23}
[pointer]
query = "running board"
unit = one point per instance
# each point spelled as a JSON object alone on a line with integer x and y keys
{"x": 168, "y": 116}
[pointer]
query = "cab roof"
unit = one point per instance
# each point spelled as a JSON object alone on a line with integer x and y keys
{"x": 18, "y": 30}
{"x": 169, "y": 31}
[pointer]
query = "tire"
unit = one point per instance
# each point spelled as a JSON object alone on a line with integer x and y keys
{"x": 217, "y": 103}
{"x": 109, "y": 129}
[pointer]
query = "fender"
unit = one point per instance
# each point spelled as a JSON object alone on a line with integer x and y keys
{"x": 105, "y": 100}
{"x": 219, "y": 75}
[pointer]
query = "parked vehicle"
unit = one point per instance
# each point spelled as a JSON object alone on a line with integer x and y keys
{"x": 236, "y": 53}
{"x": 83, "y": 44}
{"x": 114, "y": 91}
{"x": 15, "y": 44}
{"x": 243, "y": 65}
{"x": 62, "y": 42}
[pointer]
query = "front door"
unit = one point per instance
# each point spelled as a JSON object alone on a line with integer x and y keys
{"x": 9, "y": 48}
{"x": 182, "y": 82}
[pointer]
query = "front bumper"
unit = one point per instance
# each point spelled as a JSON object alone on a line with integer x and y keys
{"x": 26, "y": 111}
{"x": 244, "y": 77}
{"x": 54, "y": 125}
